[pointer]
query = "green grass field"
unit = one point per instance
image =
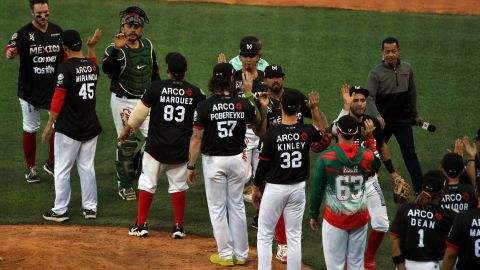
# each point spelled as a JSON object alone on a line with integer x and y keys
{"x": 319, "y": 49}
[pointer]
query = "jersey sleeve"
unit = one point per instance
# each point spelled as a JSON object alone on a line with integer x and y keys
{"x": 149, "y": 97}
{"x": 200, "y": 116}
{"x": 454, "y": 240}
{"x": 377, "y": 133}
{"x": 319, "y": 184}
{"x": 62, "y": 77}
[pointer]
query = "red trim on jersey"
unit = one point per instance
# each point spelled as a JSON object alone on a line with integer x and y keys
{"x": 370, "y": 144}
{"x": 354, "y": 221}
{"x": 64, "y": 59}
{"x": 349, "y": 150}
{"x": 263, "y": 158}
{"x": 198, "y": 127}
{"x": 57, "y": 100}
{"x": 145, "y": 103}
{"x": 331, "y": 170}
{"x": 394, "y": 234}
{"x": 452, "y": 246}
{"x": 367, "y": 160}
{"x": 249, "y": 126}
{"x": 93, "y": 59}
{"x": 329, "y": 156}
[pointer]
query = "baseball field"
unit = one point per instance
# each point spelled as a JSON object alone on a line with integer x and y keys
{"x": 319, "y": 49}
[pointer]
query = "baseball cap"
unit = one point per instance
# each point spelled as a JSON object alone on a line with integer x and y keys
{"x": 177, "y": 64}
{"x": 433, "y": 181}
{"x": 133, "y": 15}
{"x": 249, "y": 46}
{"x": 72, "y": 40}
{"x": 347, "y": 125}
{"x": 291, "y": 101}
{"x": 223, "y": 70}
{"x": 452, "y": 163}
{"x": 359, "y": 89}
{"x": 273, "y": 70}
{"x": 477, "y": 135}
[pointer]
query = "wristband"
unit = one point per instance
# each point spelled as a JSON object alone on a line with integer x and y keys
{"x": 398, "y": 259}
{"x": 190, "y": 167}
{"x": 389, "y": 165}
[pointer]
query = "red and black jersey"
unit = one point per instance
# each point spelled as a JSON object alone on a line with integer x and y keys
{"x": 172, "y": 104}
{"x": 224, "y": 119}
{"x": 258, "y": 84}
{"x": 459, "y": 198}
{"x": 274, "y": 111}
{"x": 286, "y": 148}
{"x": 464, "y": 238}
{"x": 78, "y": 118}
{"x": 422, "y": 232}
{"x": 40, "y": 53}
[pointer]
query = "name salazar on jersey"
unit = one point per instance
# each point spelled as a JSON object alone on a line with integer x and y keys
{"x": 291, "y": 141}
{"x": 176, "y": 95}
{"x": 475, "y": 227}
{"x": 423, "y": 218}
{"x": 227, "y": 111}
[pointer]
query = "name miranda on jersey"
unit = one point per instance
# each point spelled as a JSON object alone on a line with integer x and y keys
{"x": 421, "y": 218}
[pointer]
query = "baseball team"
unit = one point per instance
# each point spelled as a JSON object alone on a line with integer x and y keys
{"x": 254, "y": 146}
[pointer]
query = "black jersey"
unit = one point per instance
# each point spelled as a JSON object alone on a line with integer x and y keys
{"x": 172, "y": 104}
{"x": 224, "y": 119}
{"x": 78, "y": 118}
{"x": 258, "y": 84}
{"x": 40, "y": 53}
{"x": 465, "y": 239}
{"x": 422, "y": 232}
{"x": 274, "y": 111}
{"x": 377, "y": 133}
{"x": 459, "y": 198}
{"x": 287, "y": 148}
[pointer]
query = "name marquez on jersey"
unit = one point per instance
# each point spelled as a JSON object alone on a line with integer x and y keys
{"x": 421, "y": 218}
{"x": 475, "y": 231}
{"x": 289, "y": 142}
{"x": 174, "y": 99}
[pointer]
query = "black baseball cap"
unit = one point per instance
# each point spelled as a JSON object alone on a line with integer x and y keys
{"x": 452, "y": 163}
{"x": 273, "y": 71}
{"x": 433, "y": 181}
{"x": 223, "y": 70}
{"x": 359, "y": 89}
{"x": 291, "y": 100}
{"x": 133, "y": 15}
{"x": 249, "y": 47}
{"x": 347, "y": 125}
{"x": 177, "y": 64}
{"x": 72, "y": 39}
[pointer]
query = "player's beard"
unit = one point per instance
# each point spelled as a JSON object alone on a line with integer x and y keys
{"x": 276, "y": 87}
{"x": 358, "y": 112}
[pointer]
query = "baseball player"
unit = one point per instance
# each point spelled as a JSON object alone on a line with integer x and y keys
{"x": 354, "y": 104}
{"x": 463, "y": 241}
{"x": 171, "y": 104}
{"x": 219, "y": 132}
{"x": 39, "y": 46}
{"x": 77, "y": 128}
{"x": 341, "y": 172}
{"x": 285, "y": 165}
{"x": 237, "y": 63}
{"x": 130, "y": 62}
{"x": 419, "y": 230}
{"x": 457, "y": 197}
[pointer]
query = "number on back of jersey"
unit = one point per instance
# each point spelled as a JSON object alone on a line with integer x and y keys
{"x": 87, "y": 91}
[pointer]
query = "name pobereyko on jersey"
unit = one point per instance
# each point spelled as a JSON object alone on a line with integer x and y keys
{"x": 343, "y": 182}
{"x": 40, "y": 54}
{"x": 274, "y": 111}
{"x": 172, "y": 104}
{"x": 422, "y": 232}
{"x": 287, "y": 148}
{"x": 464, "y": 238}
{"x": 459, "y": 198}
{"x": 224, "y": 120}
{"x": 78, "y": 119}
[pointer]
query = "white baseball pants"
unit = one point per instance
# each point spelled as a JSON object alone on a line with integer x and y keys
{"x": 30, "y": 116}
{"x": 252, "y": 151}
{"x": 376, "y": 205}
{"x": 278, "y": 199}
{"x": 177, "y": 175}
{"x": 339, "y": 244}
{"x": 121, "y": 110}
{"x": 67, "y": 151}
{"x": 225, "y": 177}
{"x": 414, "y": 265}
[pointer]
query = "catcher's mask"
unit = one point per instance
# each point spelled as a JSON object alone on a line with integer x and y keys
{"x": 133, "y": 15}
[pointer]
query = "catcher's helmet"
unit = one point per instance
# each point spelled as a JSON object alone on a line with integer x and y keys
{"x": 133, "y": 15}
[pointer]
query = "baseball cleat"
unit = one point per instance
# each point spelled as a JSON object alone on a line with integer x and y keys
{"x": 178, "y": 232}
{"x": 49, "y": 168}
{"x": 89, "y": 214}
{"x": 139, "y": 230}
{"x": 215, "y": 258}
{"x": 31, "y": 175}
{"x": 282, "y": 253}
{"x": 52, "y": 216}
{"x": 127, "y": 194}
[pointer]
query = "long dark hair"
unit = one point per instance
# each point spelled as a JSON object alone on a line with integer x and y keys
{"x": 218, "y": 84}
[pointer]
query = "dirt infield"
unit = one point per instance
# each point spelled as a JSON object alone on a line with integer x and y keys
{"x": 72, "y": 247}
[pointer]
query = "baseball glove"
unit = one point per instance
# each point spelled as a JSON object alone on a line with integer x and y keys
{"x": 401, "y": 190}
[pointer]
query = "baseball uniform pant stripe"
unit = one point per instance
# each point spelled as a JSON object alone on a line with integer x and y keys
{"x": 177, "y": 175}
{"x": 225, "y": 177}
{"x": 121, "y": 110}
{"x": 376, "y": 205}
{"x": 414, "y": 265}
{"x": 339, "y": 244}
{"x": 278, "y": 199}
{"x": 67, "y": 151}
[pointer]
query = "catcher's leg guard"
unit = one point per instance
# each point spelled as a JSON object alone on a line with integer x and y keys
{"x": 124, "y": 165}
{"x": 137, "y": 161}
